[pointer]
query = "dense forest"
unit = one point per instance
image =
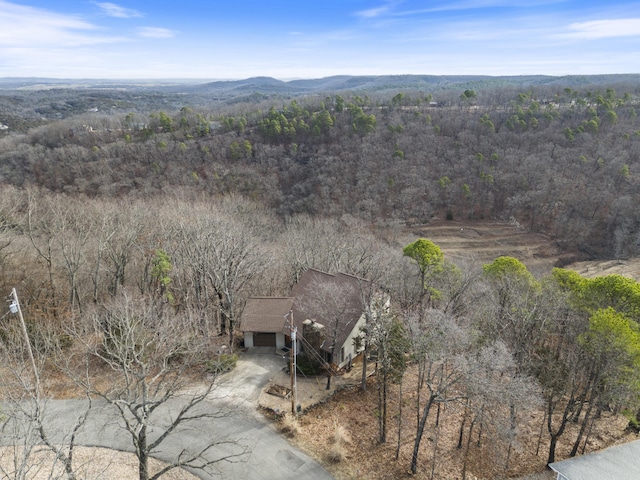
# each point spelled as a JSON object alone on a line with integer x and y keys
{"x": 559, "y": 160}
{"x": 191, "y": 210}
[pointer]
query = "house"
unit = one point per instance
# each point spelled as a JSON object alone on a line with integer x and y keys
{"x": 334, "y": 305}
{"x": 324, "y": 306}
{"x": 614, "y": 463}
{"x": 265, "y": 322}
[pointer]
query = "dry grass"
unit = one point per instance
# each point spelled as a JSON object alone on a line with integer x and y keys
{"x": 289, "y": 425}
{"x": 340, "y": 435}
{"x": 338, "y": 440}
{"x": 337, "y": 453}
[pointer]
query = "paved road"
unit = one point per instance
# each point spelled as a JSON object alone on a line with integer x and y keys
{"x": 269, "y": 455}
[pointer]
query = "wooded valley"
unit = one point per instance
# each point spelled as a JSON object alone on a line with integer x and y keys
{"x": 560, "y": 160}
{"x": 184, "y": 213}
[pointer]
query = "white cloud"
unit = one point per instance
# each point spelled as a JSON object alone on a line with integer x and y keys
{"x": 23, "y": 26}
{"x": 464, "y": 5}
{"x": 156, "y": 32}
{"x": 607, "y": 28}
{"x": 478, "y": 4}
{"x": 379, "y": 11}
{"x": 114, "y": 10}
{"x": 372, "y": 12}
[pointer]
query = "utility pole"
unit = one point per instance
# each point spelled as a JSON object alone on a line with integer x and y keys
{"x": 14, "y": 307}
{"x": 292, "y": 365}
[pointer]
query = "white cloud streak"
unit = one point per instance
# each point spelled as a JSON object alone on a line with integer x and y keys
{"x": 606, "y": 28}
{"x": 114, "y": 10}
{"x": 383, "y": 10}
{"x": 156, "y": 32}
{"x": 23, "y": 26}
{"x": 373, "y": 12}
{"x": 448, "y": 6}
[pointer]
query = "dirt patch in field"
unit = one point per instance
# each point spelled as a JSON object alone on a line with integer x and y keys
{"x": 483, "y": 241}
{"x": 595, "y": 268}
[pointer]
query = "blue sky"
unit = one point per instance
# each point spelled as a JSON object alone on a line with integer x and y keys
{"x": 286, "y": 39}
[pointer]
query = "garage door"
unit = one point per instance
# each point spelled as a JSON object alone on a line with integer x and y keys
{"x": 264, "y": 339}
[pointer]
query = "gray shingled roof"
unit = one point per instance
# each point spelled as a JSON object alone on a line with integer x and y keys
{"x": 266, "y": 315}
{"x": 308, "y": 293}
{"x": 620, "y": 462}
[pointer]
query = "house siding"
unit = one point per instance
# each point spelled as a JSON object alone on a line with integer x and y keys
{"x": 350, "y": 351}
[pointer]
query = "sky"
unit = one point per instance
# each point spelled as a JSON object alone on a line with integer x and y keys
{"x": 291, "y": 39}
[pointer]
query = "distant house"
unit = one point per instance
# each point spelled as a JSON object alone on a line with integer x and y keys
{"x": 329, "y": 304}
{"x": 614, "y": 463}
{"x": 264, "y": 322}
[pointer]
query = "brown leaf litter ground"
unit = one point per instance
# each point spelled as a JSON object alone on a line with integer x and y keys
{"x": 356, "y": 413}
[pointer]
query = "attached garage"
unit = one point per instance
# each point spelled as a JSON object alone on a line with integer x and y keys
{"x": 264, "y": 339}
{"x": 264, "y": 322}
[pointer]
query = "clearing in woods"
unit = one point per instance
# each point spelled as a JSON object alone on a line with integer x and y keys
{"x": 484, "y": 241}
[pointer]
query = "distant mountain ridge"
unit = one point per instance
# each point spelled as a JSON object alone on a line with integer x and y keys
{"x": 409, "y": 82}
{"x": 269, "y": 85}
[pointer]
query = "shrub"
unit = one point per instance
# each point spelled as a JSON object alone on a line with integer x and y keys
{"x": 224, "y": 362}
{"x": 307, "y": 366}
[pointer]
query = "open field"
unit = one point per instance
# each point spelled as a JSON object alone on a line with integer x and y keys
{"x": 484, "y": 241}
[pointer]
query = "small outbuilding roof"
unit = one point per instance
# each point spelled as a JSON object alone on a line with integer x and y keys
{"x": 266, "y": 314}
{"x": 614, "y": 463}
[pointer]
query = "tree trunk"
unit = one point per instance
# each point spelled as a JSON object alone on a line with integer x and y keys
{"x": 333, "y": 348}
{"x": 512, "y": 432}
{"x": 435, "y": 447}
{"x": 552, "y": 449}
{"x": 222, "y": 324}
{"x": 363, "y": 382}
{"x": 466, "y": 450}
{"x": 583, "y": 428}
{"x": 143, "y": 454}
{"x": 586, "y": 438}
{"x": 382, "y": 408}
{"x": 462, "y": 425}
{"x": 399, "y": 419}
{"x": 232, "y": 330}
{"x": 420, "y": 432}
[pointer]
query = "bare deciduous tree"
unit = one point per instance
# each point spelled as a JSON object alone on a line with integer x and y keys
{"x": 439, "y": 348}
{"x": 152, "y": 355}
{"x": 24, "y": 408}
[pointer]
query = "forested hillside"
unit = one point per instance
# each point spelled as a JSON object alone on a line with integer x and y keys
{"x": 140, "y": 234}
{"x": 557, "y": 159}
